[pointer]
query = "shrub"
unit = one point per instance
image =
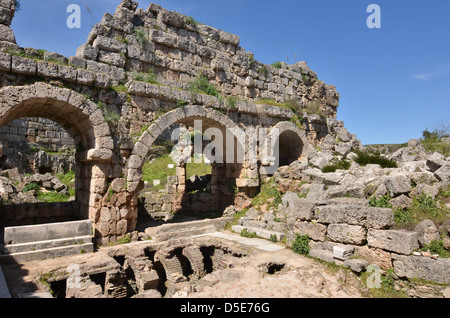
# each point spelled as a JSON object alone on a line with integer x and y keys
{"x": 149, "y": 77}
{"x": 112, "y": 116}
{"x": 231, "y": 102}
{"x": 382, "y": 202}
{"x": 202, "y": 85}
{"x": 277, "y": 64}
{"x": 141, "y": 34}
{"x": 32, "y": 186}
{"x": 246, "y": 233}
{"x": 191, "y": 21}
{"x": 432, "y": 141}
{"x": 365, "y": 157}
{"x": 341, "y": 164}
{"x": 301, "y": 244}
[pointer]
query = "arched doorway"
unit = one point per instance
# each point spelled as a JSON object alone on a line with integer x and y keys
{"x": 221, "y": 155}
{"x": 84, "y": 122}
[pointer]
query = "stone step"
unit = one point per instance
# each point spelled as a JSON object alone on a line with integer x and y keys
{"x": 254, "y": 224}
{"x": 46, "y": 232}
{"x": 166, "y": 236}
{"x": 266, "y": 234}
{"x": 186, "y": 229}
{"x": 46, "y": 253}
{"x": 41, "y": 245}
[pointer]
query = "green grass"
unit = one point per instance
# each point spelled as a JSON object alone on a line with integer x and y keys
{"x": 199, "y": 169}
{"x": 158, "y": 170}
{"x": 246, "y": 233}
{"x": 66, "y": 179}
{"x": 383, "y": 202}
{"x": 436, "y": 247}
{"x": 119, "y": 89}
{"x": 52, "y": 196}
{"x": 424, "y": 207}
{"x": 268, "y": 191}
{"x": 387, "y": 285}
{"x": 32, "y": 186}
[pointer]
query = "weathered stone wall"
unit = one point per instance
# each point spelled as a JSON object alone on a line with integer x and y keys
{"x": 36, "y": 145}
{"x": 101, "y": 98}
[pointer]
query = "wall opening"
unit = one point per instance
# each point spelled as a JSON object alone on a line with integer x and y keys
{"x": 183, "y": 190}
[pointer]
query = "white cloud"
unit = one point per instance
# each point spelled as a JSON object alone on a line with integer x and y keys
{"x": 428, "y": 76}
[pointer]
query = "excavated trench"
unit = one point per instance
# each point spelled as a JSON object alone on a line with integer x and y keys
{"x": 147, "y": 272}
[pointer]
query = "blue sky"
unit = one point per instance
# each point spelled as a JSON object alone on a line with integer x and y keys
{"x": 394, "y": 82}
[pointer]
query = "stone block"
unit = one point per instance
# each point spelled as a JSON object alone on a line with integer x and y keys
{"x": 87, "y": 52}
{"x": 356, "y": 265}
{"x": 23, "y": 65}
{"x": 323, "y": 255}
{"x": 427, "y": 232}
{"x": 343, "y": 253}
{"x": 413, "y": 267}
{"x": 398, "y": 185}
{"x": 109, "y": 44}
{"x": 7, "y": 34}
{"x": 397, "y": 241}
{"x": 443, "y": 173}
{"x": 315, "y": 231}
{"x": 297, "y": 207}
{"x": 348, "y": 234}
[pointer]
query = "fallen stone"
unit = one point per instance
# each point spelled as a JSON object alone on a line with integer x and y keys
{"x": 343, "y": 253}
{"x": 427, "y": 232}
{"x": 356, "y": 265}
{"x": 435, "y": 161}
{"x": 443, "y": 173}
{"x": 398, "y": 185}
{"x": 323, "y": 255}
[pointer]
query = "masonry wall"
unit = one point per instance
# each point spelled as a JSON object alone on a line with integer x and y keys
{"x": 106, "y": 74}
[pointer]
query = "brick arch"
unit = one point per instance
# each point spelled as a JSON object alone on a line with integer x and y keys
{"x": 184, "y": 115}
{"x": 82, "y": 120}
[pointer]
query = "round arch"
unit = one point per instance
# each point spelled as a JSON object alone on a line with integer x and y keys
{"x": 287, "y": 144}
{"x": 82, "y": 120}
{"x": 184, "y": 115}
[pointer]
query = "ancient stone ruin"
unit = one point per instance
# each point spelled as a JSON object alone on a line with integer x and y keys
{"x": 107, "y": 112}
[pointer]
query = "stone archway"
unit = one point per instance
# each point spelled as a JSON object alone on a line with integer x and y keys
{"x": 287, "y": 143}
{"x": 128, "y": 188}
{"x": 184, "y": 115}
{"x": 82, "y": 120}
